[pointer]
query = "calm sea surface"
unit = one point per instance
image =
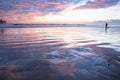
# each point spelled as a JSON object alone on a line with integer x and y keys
{"x": 60, "y": 53}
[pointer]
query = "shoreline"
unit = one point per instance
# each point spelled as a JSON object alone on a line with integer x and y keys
{"x": 53, "y": 25}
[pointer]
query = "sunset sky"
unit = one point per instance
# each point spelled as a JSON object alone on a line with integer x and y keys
{"x": 58, "y": 11}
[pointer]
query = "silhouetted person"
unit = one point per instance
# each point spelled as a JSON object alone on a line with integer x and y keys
{"x": 2, "y": 22}
{"x": 106, "y": 26}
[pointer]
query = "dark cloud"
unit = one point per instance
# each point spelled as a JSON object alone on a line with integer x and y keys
{"x": 52, "y": 0}
{"x": 99, "y": 4}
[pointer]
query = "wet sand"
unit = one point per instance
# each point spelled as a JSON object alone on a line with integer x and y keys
{"x": 49, "y": 55}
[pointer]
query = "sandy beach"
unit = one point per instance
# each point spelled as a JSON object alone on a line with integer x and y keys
{"x": 74, "y": 53}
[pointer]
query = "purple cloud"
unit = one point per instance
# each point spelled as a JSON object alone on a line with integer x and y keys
{"x": 18, "y": 8}
{"x": 51, "y": 6}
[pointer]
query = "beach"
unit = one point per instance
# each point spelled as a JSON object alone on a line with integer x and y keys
{"x": 59, "y": 53}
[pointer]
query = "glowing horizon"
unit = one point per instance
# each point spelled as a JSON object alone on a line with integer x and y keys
{"x": 58, "y": 11}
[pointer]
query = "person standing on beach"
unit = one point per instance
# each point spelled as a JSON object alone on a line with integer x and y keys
{"x": 106, "y": 26}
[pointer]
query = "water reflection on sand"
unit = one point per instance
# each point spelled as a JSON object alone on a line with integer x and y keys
{"x": 55, "y": 54}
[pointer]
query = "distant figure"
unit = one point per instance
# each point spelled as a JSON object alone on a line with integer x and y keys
{"x": 106, "y": 26}
{"x": 2, "y": 21}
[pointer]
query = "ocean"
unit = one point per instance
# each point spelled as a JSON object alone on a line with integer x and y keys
{"x": 60, "y": 53}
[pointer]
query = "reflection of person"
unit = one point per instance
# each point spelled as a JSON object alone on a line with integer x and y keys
{"x": 2, "y": 30}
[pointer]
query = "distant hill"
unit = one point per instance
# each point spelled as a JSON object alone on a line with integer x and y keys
{"x": 110, "y": 22}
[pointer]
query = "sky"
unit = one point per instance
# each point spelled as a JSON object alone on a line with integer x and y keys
{"x": 59, "y": 11}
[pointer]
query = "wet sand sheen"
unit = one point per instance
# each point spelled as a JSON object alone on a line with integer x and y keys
{"x": 57, "y": 54}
